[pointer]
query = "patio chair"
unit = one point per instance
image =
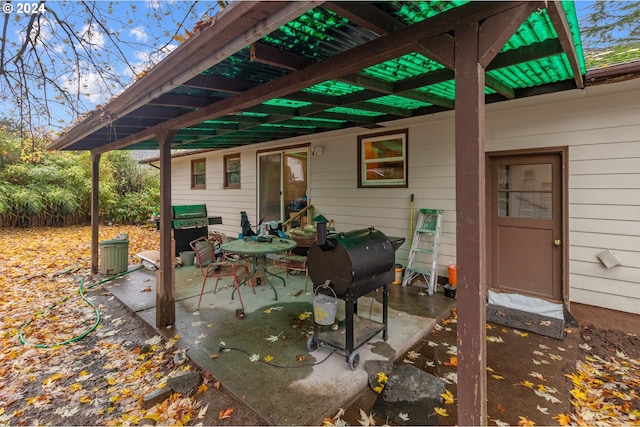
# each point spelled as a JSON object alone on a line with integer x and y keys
{"x": 205, "y": 250}
{"x": 294, "y": 263}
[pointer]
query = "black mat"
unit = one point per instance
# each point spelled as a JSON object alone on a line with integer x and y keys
{"x": 532, "y": 322}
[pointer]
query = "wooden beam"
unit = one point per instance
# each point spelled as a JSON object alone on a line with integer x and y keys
{"x": 535, "y": 51}
{"x": 500, "y": 87}
{"x": 440, "y": 49}
{"x": 560, "y": 23}
{"x": 182, "y": 101}
{"x": 219, "y": 84}
{"x": 165, "y": 277}
{"x": 496, "y": 30}
{"x": 369, "y": 82}
{"x": 365, "y": 15}
{"x": 470, "y": 231}
{"x": 95, "y": 210}
{"x": 269, "y": 55}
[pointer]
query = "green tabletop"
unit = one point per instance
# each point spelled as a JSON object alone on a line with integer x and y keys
{"x": 254, "y": 247}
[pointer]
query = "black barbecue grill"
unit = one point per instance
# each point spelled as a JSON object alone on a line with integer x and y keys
{"x": 352, "y": 264}
{"x": 190, "y": 222}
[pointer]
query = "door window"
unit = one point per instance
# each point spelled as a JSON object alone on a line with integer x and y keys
{"x": 525, "y": 191}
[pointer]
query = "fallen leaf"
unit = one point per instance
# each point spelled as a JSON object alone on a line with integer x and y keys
{"x": 273, "y": 338}
{"x": 543, "y": 410}
{"x": 382, "y": 378}
{"x": 202, "y": 412}
{"x": 225, "y": 413}
{"x": 527, "y": 384}
{"x": 524, "y": 421}
{"x": 563, "y": 420}
{"x": 403, "y": 416}
{"x": 413, "y": 354}
{"x": 453, "y": 361}
{"x": 366, "y": 420}
{"x": 441, "y": 411}
{"x": 448, "y": 397}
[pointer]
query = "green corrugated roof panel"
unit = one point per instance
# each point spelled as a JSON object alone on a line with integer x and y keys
{"x": 538, "y": 27}
{"x": 354, "y": 111}
{"x": 219, "y": 122}
{"x": 279, "y": 102}
{"x": 404, "y": 67}
{"x": 252, "y": 114}
{"x": 316, "y": 119}
{"x": 283, "y": 126}
{"x": 411, "y": 12}
{"x": 399, "y": 101}
{"x": 318, "y": 34}
{"x": 444, "y": 89}
{"x": 333, "y": 88}
{"x": 534, "y": 73}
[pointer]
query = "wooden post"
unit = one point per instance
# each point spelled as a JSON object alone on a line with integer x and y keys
{"x": 470, "y": 231}
{"x": 95, "y": 210}
{"x": 165, "y": 278}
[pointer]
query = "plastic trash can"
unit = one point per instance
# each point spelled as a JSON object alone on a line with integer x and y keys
{"x": 114, "y": 255}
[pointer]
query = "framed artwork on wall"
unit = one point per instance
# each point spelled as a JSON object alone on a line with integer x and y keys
{"x": 382, "y": 160}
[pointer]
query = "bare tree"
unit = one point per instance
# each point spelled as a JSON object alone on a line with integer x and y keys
{"x": 61, "y": 59}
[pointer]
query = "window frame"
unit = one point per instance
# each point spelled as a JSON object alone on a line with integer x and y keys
{"x": 226, "y": 171}
{"x": 194, "y": 175}
{"x": 363, "y": 182}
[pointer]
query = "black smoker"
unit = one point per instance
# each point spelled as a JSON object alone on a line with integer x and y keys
{"x": 352, "y": 264}
{"x": 190, "y": 222}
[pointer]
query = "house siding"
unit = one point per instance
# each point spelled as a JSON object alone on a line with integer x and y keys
{"x": 599, "y": 127}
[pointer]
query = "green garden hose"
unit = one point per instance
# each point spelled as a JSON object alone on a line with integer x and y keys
{"x": 81, "y": 291}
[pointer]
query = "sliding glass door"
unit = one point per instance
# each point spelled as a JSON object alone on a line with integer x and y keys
{"x": 282, "y": 186}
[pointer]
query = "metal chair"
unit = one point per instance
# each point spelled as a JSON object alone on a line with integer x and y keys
{"x": 214, "y": 265}
{"x": 291, "y": 262}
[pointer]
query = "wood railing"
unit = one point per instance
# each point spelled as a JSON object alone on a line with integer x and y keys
{"x": 287, "y": 223}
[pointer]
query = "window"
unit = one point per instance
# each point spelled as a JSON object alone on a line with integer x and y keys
{"x": 198, "y": 174}
{"x": 382, "y": 159}
{"x": 232, "y": 171}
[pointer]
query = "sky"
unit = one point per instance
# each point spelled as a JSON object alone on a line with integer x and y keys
{"x": 124, "y": 38}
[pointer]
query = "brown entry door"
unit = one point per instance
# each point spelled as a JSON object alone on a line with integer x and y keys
{"x": 526, "y": 225}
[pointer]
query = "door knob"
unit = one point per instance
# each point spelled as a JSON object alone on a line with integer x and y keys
{"x": 557, "y": 242}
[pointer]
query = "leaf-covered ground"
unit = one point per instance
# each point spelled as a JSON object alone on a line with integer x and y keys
{"x": 69, "y": 360}
{"x": 592, "y": 377}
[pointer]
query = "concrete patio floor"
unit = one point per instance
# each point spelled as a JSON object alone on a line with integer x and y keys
{"x": 288, "y": 385}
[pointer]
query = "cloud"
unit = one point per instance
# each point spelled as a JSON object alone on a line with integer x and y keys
{"x": 139, "y": 34}
{"x": 92, "y": 36}
{"x": 90, "y": 85}
{"x": 144, "y": 58}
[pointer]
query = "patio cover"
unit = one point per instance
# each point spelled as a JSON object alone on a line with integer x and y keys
{"x": 265, "y": 71}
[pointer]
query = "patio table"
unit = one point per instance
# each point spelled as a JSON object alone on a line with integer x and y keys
{"x": 258, "y": 250}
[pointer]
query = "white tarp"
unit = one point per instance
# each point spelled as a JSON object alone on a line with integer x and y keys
{"x": 527, "y": 304}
